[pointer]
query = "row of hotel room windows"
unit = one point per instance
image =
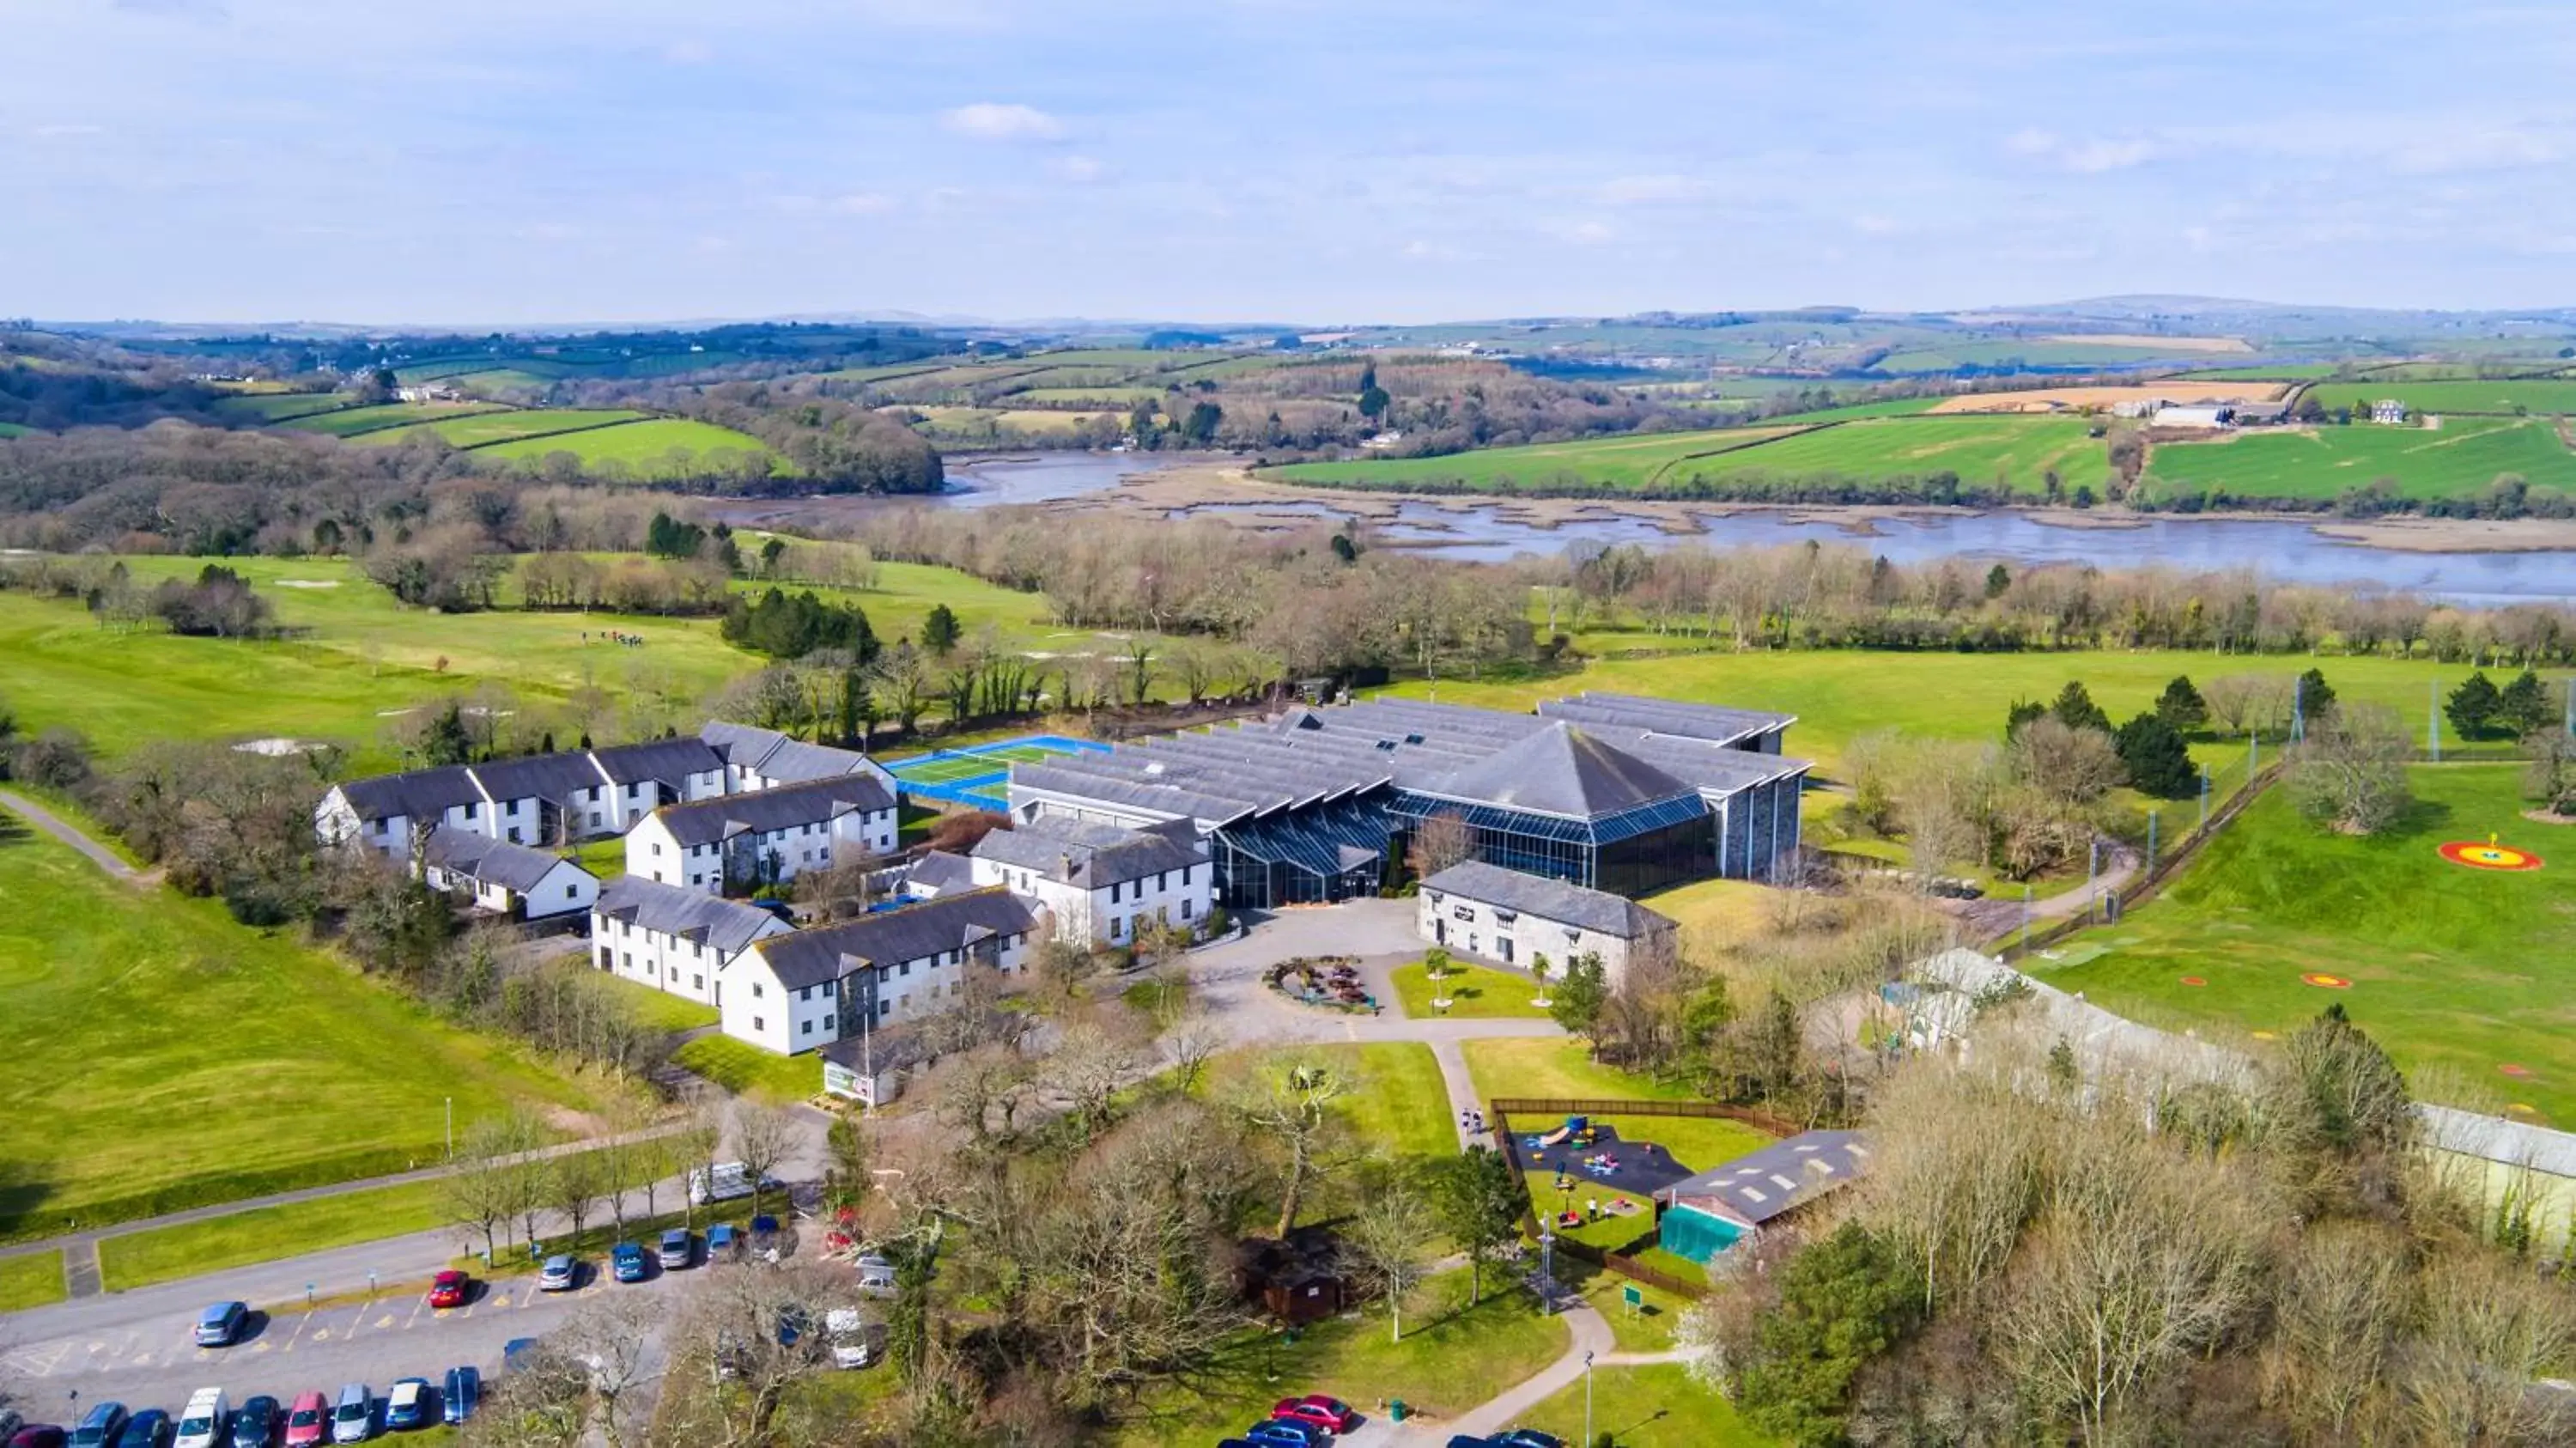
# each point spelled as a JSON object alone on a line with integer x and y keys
{"x": 1025, "y": 881}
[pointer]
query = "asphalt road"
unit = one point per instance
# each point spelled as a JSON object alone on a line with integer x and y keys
{"x": 135, "y": 1348}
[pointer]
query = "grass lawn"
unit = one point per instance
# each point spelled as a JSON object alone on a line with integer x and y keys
{"x": 486, "y": 428}
{"x": 2542, "y": 395}
{"x": 1452, "y": 1357}
{"x": 1648, "y": 1327}
{"x": 1476, "y": 992}
{"x": 351, "y": 421}
{"x": 1540, "y": 1067}
{"x": 604, "y": 857}
{"x": 739, "y": 1066}
{"x": 1401, "y": 1104}
{"x": 1159, "y": 997}
{"x": 32, "y": 1280}
{"x": 2462, "y": 457}
{"x": 1617, "y": 462}
{"x": 156, "y": 1055}
{"x": 265, "y": 1234}
{"x": 659, "y": 1008}
{"x": 1716, "y": 912}
{"x": 1651, "y": 1406}
{"x": 2454, "y": 970}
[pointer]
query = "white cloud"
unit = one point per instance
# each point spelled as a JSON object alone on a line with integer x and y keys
{"x": 1647, "y": 190}
{"x": 1873, "y": 225}
{"x": 2089, "y": 157}
{"x": 1586, "y": 233}
{"x": 1081, "y": 170}
{"x": 862, "y": 203}
{"x": 994, "y": 121}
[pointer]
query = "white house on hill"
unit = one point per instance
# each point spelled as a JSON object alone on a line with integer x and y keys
{"x": 503, "y": 878}
{"x": 673, "y": 938}
{"x": 808, "y": 988}
{"x": 1101, "y": 883}
{"x": 738, "y": 842}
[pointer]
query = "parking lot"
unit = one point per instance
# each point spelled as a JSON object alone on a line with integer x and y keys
{"x": 151, "y": 1363}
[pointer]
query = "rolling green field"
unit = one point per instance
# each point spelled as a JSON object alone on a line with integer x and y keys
{"x": 2032, "y": 352}
{"x": 1094, "y": 397}
{"x": 278, "y": 406}
{"x": 1982, "y": 450}
{"x": 157, "y": 1056}
{"x": 1628, "y": 462}
{"x": 646, "y": 447}
{"x": 485, "y": 428}
{"x": 2463, "y": 456}
{"x": 2552, "y": 396}
{"x": 2451, "y": 968}
{"x": 360, "y": 659}
{"x": 264, "y": 1234}
{"x": 1839, "y": 696}
{"x": 350, "y": 421}
{"x": 2284, "y": 372}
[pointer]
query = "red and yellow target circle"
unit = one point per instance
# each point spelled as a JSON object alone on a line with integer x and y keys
{"x": 2329, "y": 982}
{"x": 2484, "y": 855}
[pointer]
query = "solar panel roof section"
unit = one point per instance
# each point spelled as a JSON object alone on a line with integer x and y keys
{"x": 1713, "y": 722}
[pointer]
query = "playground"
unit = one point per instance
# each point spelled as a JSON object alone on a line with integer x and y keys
{"x": 1588, "y": 1182}
{"x": 975, "y": 775}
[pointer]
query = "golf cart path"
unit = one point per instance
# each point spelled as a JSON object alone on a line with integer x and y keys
{"x": 63, "y": 830}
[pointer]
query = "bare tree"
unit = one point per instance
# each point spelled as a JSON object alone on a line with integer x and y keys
{"x": 730, "y": 1376}
{"x": 2334, "y": 1332}
{"x": 1440, "y": 841}
{"x": 1390, "y": 1235}
{"x": 764, "y": 1138}
{"x": 608, "y": 1338}
{"x": 1189, "y": 1044}
{"x": 1086, "y": 1068}
{"x": 2491, "y": 1331}
{"x": 695, "y": 1147}
{"x": 2350, "y": 773}
{"x": 576, "y": 1181}
{"x": 481, "y": 1190}
{"x": 2073, "y": 766}
{"x": 542, "y": 1402}
{"x": 1291, "y": 1102}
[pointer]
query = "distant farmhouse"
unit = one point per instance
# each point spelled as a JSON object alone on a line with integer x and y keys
{"x": 1610, "y": 792}
{"x": 2388, "y": 412}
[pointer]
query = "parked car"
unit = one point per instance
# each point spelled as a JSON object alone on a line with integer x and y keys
{"x": 723, "y": 1242}
{"x": 202, "y": 1422}
{"x": 353, "y": 1414}
{"x": 560, "y": 1274}
{"x": 1283, "y": 1433}
{"x": 220, "y": 1324}
{"x": 147, "y": 1429}
{"x": 407, "y": 1404}
{"x": 626, "y": 1262}
{"x": 255, "y": 1422}
{"x": 1528, "y": 1438}
{"x": 99, "y": 1426}
{"x": 450, "y": 1289}
{"x": 1315, "y": 1410}
{"x": 308, "y": 1421}
{"x": 678, "y": 1248}
{"x": 1470, "y": 1440}
{"x": 39, "y": 1435}
{"x": 853, "y": 1339}
{"x": 729, "y": 1180}
{"x": 876, "y": 1276}
{"x": 10, "y": 1423}
{"x": 464, "y": 1387}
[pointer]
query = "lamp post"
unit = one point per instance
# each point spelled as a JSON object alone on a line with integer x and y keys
{"x": 1587, "y": 1396}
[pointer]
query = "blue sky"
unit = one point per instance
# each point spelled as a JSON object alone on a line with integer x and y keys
{"x": 464, "y": 161}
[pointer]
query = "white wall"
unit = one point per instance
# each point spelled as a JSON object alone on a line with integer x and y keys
{"x": 1474, "y": 928}
{"x": 756, "y": 1008}
{"x": 1091, "y": 917}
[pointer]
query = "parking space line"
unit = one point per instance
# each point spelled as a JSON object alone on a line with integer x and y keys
{"x": 301, "y": 1323}
{"x": 417, "y": 1304}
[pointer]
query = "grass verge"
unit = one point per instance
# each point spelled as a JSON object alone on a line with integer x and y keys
{"x": 34, "y": 1279}
{"x": 265, "y": 1234}
{"x": 1475, "y": 992}
{"x": 1655, "y": 1405}
{"x": 741, "y": 1067}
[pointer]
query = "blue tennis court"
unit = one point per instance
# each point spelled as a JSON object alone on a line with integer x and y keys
{"x": 975, "y": 775}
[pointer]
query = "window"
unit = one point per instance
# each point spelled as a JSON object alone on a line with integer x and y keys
{"x": 630, "y": 960}
{"x": 1185, "y": 909}
{"x": 758, "y": 1024}
{"x": 1114, "y": 925}
{"x": 904, "y": 969}
{"x": 514, "y": 834}
{"x": 657, "y": 847}
{"x": 383, "y": 825}
{"x": 808, "y": 1028}
{"x": 756, "y": 991}
{"x": 693, "y": 950}
{"x": 1185, "y": 877}
{"x": 1162, "y": 880}
{"x": 697, "y": 982}
{"x": 1113, "y": 892}
{"x": 571, "y": 891}
{"x": 514, "y": 805}
{"x": 804, "y": 992}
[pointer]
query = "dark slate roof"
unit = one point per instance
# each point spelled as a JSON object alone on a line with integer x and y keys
{"x": 1557, "y": 900}
{"x": 494, "y": 862}
{"x": 938, "y": 871}
{"x": 1090, "y": 855}
{"x": 1560, "y": 770}
{"x": 669, "y": 760}
{"x": 419, "y": 793}
{"x": 724, "y": 925}
{"x": 951, "y": 922}
{"x": 1777, "y": 1179}
{"x": 538, "y": 776}
{"x": 775, "y": 756}
{"x": 1712, "y": 722}
{"x": 709, "y": 821}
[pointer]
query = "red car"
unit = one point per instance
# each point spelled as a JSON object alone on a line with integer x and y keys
{"x": 308, "y": 1422}
{"x": 1317, "y": 1411}
{"x": 448, "y": 1289}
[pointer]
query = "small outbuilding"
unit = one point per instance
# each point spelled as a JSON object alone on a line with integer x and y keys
{"x": 1296, "y": 1281}
{"x": 1484, "y": 910}
{"x": 1707, "y": 1214}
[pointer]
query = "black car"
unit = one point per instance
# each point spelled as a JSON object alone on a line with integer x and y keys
{"x": 99, "y": 1426}
{"x": 147, "y": 1429}
{"x": 255, "y": 1423}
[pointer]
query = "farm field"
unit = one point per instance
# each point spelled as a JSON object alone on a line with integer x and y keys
{"x": 2463, "y": 456}
{"x": 484, "y": 428}
{"x": 2033, "y": 352}
{"x": 1839, "y": 696}
{"x": 121, "y": 1107}
{"x": 2285, "y": 371}
{"x": 361, "y": 658}
{"x": 1094, "y": 397}
{"x": 2051, "y": 399}
{"x": 2016, "y": 451}
{"x": 1888, "y": 407}
{"x": 2554, "y": 396}
{"x": 277, "y": 406}
{"x": 993, "y": 421}
{"x": 1624, "y": 462}
{"x": 2459, "y": 973}
{"x": 645, "y": 447}
{"x": 351, "y": 421}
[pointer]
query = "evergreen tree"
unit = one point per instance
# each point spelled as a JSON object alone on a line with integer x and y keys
{"x": 2472, "y": 706}
{"x": 2158, "y": 761}
{"x": 2523, "y": 705}
{"x": 1998, "y": 578}
{"x": 940, "y": 631}
{"x": 2316, "y": 696}
{"x": 1843, "y": 1301}
{"x": 2022, "y": 712}
{"x": 2181, "y": 706}
{"x": 2076, "y": 710}
{"x": 1479, "y": 1197}
{"x": 446, "y": 741}
{"x": 1581, "y": 996}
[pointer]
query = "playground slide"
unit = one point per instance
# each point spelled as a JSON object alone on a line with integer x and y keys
{"x": 1558, "y": 1135}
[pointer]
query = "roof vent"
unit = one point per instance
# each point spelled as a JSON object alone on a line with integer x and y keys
{"x": 1412, "y": 738}
{"x": 1155, "y": 767}
{"x": 1387, "y": 744}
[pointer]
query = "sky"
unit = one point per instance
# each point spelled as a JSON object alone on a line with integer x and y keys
{"x": 522, "y": 162}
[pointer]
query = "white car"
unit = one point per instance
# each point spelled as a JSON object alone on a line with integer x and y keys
{"x": 201, "y": 1423}
{"x": 852, "y": 1336}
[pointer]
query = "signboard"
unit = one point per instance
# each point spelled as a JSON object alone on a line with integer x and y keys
{"x": 1463, "y": 912}
{"x": 1633, "y": 1295}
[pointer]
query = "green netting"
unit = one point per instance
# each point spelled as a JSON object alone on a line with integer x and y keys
{"x": 1688, "y": 1232}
